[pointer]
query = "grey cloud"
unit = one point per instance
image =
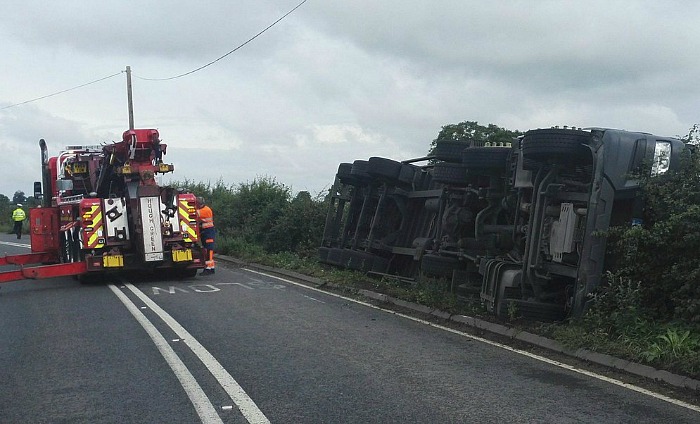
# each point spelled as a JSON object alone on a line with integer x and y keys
{"x": 385, "y": 76}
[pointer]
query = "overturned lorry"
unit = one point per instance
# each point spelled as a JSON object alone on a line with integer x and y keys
{"x": 523, "y": 226}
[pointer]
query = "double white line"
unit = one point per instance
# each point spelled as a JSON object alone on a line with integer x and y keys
{"x": 199, "y": 399}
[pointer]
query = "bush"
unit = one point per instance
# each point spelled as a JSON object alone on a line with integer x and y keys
{"x": 299, "y": 227}
{"x": 662, "y": 254}
{"x": 262, "y": 216}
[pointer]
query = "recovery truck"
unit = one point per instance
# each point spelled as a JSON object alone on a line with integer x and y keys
{"x": 103, "y": 211}
{"x": 520, "y": 226}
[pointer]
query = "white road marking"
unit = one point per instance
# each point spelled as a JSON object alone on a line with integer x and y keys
{"x": 313, "y": 298}
{"x": 9, "y": 243}
{"x": 205, "y": 409}
{"x": 234, "y": 284}
{"x": 240, "y": 398}
{"x": 499, "y": 345}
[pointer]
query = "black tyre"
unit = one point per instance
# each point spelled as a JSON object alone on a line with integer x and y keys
{"x": 486, "y": 158}
{"x": 438, "y": 266}
{"x": 408, "y": 173}
{"x": 449, "y": 151}
{"x": 556, "y": 144}
{"x": 530, "y": 164}
{"x": 184, "y": 273}
{"x": 344, "y": 174}
{"x": 92, "y": 278}
{"x": 384, "y": 169}
{"x": 450, "y": 173}
{"x": 359, "y": 171}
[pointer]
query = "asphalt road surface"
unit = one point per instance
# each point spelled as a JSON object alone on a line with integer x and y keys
{"x": 240, "y": 346}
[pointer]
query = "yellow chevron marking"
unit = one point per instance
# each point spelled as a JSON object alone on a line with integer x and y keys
{"x": 191, "y": 233}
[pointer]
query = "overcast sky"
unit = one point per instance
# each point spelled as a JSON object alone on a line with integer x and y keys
{"x": 335, "y": 81}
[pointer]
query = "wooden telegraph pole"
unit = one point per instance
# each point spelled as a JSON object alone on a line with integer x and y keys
{"x": 129, "y": 97}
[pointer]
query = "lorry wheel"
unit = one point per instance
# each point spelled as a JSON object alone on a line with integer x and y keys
{"x": 555, "y": 143}
{"x": 385, "y": 169}
{"x": 344, "y": 174}
{"x": 408, "y": 173}
{"x": 359, "y": 171}
{"x": 450, "y": 173}
{"x": 449, "y": 150}
{"x": 485, "y": 158}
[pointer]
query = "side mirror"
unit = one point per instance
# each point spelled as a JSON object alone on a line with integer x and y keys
{"x": 38, "y": 194}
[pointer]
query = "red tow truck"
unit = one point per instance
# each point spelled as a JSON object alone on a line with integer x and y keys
{"x": 103, "y": 211}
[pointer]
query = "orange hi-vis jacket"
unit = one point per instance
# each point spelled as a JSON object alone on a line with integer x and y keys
{"x": 206, "y": 217}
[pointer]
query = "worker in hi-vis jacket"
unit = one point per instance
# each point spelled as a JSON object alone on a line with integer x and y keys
{"x": 207, "y": 233}
{"x": 18, "y": 216}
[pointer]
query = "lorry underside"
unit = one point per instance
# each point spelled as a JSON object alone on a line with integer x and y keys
{"x": 103, "y": 211}
{"x": 522, "y": 226}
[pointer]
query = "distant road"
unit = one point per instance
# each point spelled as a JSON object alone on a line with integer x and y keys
{"x": 241, "y": 347}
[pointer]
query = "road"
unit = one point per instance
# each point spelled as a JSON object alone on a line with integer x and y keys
{"x": 241, "y": 346}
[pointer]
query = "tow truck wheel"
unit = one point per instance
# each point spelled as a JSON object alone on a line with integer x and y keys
{"x": 186, "y": 273}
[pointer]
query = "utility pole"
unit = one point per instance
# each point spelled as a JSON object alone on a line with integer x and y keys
{"x": 129, "y": 97}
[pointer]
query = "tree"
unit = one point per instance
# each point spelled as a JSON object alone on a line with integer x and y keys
{"x": 468, "y": 131}
{"x": 693, "y": 136}
{"x": 19, "y": 197}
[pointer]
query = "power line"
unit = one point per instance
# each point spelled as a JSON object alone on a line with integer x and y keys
{"x": 161, "y": 79}
{"x": 232, "y": 51}
{"x": 63, "y": 91}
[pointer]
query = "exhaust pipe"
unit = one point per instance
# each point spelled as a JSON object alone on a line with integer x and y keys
{"x": 45, "y": 174}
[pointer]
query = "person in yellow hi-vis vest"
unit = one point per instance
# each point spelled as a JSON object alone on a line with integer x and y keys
{"x": 207, "y": 233}
{"x": 18, "y": 216}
